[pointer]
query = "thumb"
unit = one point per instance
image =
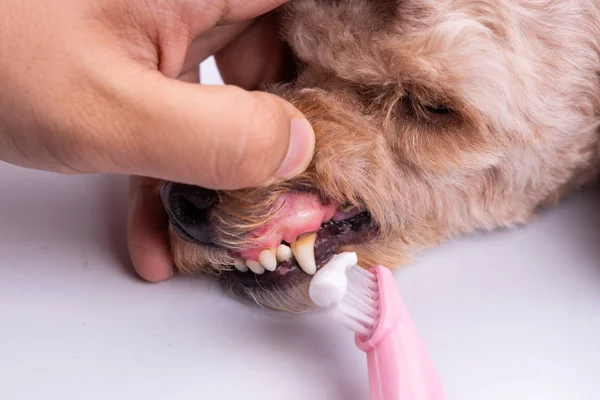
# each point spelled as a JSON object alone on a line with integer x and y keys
{"x": 218, "y": 137}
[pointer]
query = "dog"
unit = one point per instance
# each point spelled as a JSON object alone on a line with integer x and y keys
{"x": 434, "y": 119}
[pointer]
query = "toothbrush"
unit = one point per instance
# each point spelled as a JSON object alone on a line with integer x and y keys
{"x": 368, "y": 303}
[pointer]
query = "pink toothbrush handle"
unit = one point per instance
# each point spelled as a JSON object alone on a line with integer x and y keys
{"x": 399, "y": 366}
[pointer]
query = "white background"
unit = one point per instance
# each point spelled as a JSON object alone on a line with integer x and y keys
{"x": 513, "y": 314}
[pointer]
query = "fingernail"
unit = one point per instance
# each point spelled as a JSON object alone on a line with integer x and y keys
{"x": 300, "y": 150}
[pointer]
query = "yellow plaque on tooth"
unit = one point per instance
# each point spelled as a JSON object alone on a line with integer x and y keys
{"x": 304, "y": 251}
{"x": 306, "y": 238}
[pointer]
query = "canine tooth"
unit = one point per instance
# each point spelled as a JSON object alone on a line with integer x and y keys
{"x": 284, "y": 253}
{"x": 240, "y": 265}
{"x": 255, "y": 267}
{"x": 268, "y": 260}
{"x": 304, "y": 251}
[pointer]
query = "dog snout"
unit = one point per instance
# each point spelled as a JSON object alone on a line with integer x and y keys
{"x": 188, "y": 208}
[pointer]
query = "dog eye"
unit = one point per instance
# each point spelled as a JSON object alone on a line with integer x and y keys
{"x": 425, "y": 111}
{"x": 438, "y": 109}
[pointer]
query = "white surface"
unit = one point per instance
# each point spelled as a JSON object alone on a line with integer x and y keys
{"x": 508, "y": 315}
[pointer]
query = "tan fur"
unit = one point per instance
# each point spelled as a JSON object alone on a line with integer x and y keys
{"x": 521, "y": 77}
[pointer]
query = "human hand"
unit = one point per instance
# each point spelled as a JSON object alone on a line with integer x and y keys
{"x": 105, "y": 86}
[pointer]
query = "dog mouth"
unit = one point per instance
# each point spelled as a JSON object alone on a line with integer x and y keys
{"x": 309, "y": 252}
{"x": 303, "y": 233}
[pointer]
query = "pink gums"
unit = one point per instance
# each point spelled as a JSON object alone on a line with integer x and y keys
{"x": 301, "y": 213}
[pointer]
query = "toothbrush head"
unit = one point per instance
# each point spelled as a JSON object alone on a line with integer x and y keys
{"x": 349, "y": 292}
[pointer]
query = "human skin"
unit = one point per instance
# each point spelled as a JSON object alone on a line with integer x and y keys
{"x": 111, "y": 86}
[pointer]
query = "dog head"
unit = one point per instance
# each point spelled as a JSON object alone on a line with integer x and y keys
{"x": 433, "y": 118}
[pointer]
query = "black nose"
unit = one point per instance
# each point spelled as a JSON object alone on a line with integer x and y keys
{"x": 188, "y": 208}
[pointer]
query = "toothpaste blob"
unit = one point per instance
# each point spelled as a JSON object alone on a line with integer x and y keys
{"x": 330, "y": 283}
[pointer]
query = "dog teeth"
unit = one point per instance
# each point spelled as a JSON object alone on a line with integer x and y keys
{"x": 284, "y": 253}
{"x": 255, "y": 267}
{"x": 304, "y": 251}
{"x": 268, "y": 259}
{"x": 240, "y": 265}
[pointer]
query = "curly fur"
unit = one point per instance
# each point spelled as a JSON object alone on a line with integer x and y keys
{"x": 519, "y": 79}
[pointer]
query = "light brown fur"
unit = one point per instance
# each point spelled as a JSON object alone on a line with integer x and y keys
{"x": 520, "y": 76}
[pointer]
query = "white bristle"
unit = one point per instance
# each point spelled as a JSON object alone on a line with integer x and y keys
{"x": 365, "y": 317}
{"x": 353, "y": 324}
{"x": 352, "y": 293}
{"x": 361, "y": 304}
{"x": 361, "y": 271}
